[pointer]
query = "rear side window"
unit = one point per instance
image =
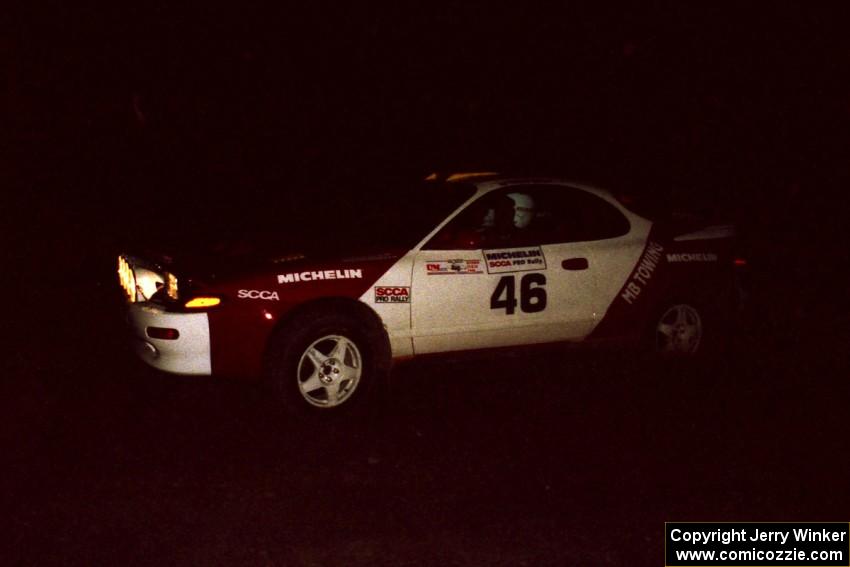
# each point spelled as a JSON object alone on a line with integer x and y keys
{"x": 579, "y": 216}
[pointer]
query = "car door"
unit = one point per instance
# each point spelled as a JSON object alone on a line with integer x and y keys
{"x": 547, "y": 274}
{"x": 596, "y": 244}
{"x": 485, "y": 281}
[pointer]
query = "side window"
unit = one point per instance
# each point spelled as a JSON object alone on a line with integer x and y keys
{"x": 584, "y": 217}
{"x": 506, "y": 218}
{"x": 531, "y": 215}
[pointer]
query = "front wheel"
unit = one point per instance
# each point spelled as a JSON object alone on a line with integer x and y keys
{"x": 329, "y": 371}
{"x": 327, "y": 364}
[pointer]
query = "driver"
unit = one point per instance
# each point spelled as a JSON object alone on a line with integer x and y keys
{"x": 511, "y": 214}
{"x": 523, "y": 209}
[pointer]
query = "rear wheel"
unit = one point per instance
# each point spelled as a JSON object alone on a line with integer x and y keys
{"x": 679, "y": 330}
{"x": 327, "y": 364}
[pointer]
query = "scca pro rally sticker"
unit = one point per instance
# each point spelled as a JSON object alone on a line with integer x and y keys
{"x": 453, "y": 267}
{"x": 514, "y": 260}
{"x": 392, "y": 294}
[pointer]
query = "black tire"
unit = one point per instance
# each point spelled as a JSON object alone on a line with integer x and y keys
{"x": 340, "y": 385}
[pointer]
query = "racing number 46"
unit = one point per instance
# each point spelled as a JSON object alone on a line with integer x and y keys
{"x": 532, "y": 299}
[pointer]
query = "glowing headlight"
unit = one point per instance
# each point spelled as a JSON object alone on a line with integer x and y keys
{"x": 147, "y": 283}
{"x": 140, "y": 284}
{"x": 127, "y": 278}
{"x": 171, "y": 285}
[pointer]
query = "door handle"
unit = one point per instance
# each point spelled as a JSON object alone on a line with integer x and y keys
{"x": 575, "y": 264}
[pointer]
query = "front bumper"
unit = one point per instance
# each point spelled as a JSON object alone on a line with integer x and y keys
{"x": 189, "y": 353}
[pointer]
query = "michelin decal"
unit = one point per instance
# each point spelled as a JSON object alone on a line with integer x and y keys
{"x": 692, "y": 257}
{"x": 295, "y": 277}
{"x": 515, "y": 260}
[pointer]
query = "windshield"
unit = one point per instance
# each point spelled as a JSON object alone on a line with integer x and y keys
{"x": 391, "y": 217}
{"x": 351, "y": 218}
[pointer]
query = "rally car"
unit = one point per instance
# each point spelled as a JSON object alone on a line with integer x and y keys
{"x": 468, "y": 262}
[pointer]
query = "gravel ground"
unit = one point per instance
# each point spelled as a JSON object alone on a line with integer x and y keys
{"x": 553, "y": 458}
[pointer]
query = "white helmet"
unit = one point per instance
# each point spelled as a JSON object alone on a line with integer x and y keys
{"x": 523, "y": 209}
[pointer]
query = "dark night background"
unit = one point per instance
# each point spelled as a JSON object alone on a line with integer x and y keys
{"x": 123, "y": 124}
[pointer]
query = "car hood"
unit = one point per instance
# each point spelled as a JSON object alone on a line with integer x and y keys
{"x": 225, "y": 260}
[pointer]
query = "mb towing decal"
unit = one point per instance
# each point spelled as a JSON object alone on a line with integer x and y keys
{"x": 643, "y": 272}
